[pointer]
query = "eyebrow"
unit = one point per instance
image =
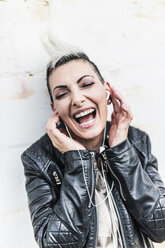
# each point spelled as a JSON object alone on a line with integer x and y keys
{"x": 78, "y": 81}
{"x": 62, "y": 86}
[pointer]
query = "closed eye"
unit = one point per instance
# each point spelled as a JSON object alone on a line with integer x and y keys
{"x": 87, "y": 84}
{"x": 59, "y": 96}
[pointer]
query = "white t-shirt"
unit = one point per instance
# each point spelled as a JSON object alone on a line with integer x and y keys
{"x": 108, "y": 233}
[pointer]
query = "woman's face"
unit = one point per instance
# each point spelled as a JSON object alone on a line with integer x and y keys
{"x": 80, "y": 98}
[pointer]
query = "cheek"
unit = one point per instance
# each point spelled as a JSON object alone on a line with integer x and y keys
{"x": 101, "y": 100}
{"x": 62, "y": 109}
{"x": 97, "y": 95}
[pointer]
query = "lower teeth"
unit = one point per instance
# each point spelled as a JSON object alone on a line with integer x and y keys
{"x": 86, "y": 123}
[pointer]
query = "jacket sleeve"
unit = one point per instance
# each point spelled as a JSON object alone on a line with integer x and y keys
{"x": 63, "y": 222}
{"x": 140, "y": 186}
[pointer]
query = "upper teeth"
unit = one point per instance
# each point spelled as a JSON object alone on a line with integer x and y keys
{"x": 84, "y": 113}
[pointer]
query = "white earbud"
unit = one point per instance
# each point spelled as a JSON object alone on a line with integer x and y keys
{"x": 108, "y": 95}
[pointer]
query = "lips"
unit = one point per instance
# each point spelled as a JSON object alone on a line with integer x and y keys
{"x": 85, "y": 117}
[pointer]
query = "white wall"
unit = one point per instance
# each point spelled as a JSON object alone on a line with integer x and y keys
{"x": 127, "y": 41}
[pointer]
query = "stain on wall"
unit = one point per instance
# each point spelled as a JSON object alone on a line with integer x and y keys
{"x": 23, "y": 93}
{"x": 39, "y": 10}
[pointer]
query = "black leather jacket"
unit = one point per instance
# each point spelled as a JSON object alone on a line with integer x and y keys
{"x": 61, "y": 213}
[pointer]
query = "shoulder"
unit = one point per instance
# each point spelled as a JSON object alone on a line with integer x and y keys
{"x": 39, "y": 152}
{"x": 140, "y": 140}
{"x": 137, "y": 135}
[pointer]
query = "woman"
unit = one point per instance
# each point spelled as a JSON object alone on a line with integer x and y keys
{"x": 92, "y": 183}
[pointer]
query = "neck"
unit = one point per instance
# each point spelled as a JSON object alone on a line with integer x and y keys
{"x": 92, "y": 144}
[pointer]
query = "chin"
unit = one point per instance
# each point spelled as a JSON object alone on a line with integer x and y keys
{"x": 90, "y": 134}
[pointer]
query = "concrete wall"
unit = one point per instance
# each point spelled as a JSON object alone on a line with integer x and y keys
{"x": 127, "y": 41}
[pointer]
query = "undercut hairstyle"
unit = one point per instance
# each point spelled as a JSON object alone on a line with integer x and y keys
{"x": 54, "y": 64}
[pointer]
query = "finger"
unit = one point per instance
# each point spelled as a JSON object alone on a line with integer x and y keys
{"x": 113, "y": 118}
{"x": 57, "y": 137}
{"x": 116, "y": 105}
{"x": 123, "y": 103}
{"x": 127, "y": 110}
{"x": 116, "y": 93}
{"x": 51, "y": 126}
{"x": 53, "y": 130}
{"x": 53, "y": 120}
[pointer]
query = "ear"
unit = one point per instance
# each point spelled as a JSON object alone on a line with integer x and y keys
{"x": 108, "y": 86}
{"x": 108, "y": 92}
{"x": 52, "y": 107}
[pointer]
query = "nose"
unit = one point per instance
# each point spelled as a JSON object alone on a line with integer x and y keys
{"x": 77, "y": 99}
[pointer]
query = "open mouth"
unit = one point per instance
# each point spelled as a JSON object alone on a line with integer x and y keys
{"x": 85, "y": 118}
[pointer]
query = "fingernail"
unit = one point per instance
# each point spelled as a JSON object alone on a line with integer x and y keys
{"x": 123, "y": 105}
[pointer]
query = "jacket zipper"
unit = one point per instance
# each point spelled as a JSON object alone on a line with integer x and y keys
{"x": 107, "y": 163}
{"x": 94, "y": 166}
{"x": 121, "y": 227}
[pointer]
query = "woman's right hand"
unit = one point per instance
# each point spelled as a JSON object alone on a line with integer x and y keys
{"x": 59, "y": 137}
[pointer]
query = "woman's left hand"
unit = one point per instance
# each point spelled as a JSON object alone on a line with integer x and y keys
{"x": 120, "y": 119}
